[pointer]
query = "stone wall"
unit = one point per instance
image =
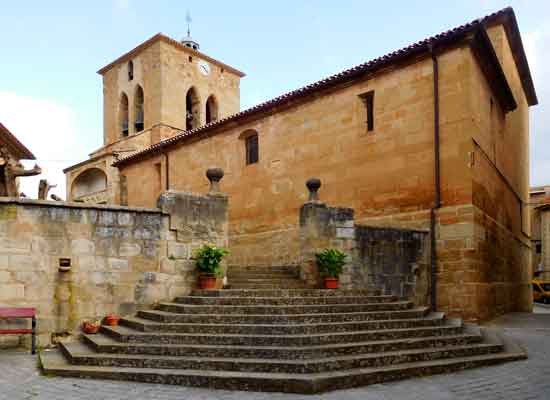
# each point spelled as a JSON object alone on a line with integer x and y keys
{"x": 324, "y": 227}
{"x": 395, "y": 261}
{"x": 121, "y": 259}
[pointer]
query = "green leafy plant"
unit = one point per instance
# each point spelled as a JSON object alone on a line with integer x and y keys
{"x": 208, "y": 259}
{"x": 330, "y": 262}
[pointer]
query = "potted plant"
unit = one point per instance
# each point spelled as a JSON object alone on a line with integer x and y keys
{"x": 111, "y": 319}
{"x": 208, "y": 259}
{"x": 91, "y": 327}
{"x": 331, "y": 263}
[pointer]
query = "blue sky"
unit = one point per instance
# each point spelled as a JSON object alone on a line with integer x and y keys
{"x": 51, "y": 96}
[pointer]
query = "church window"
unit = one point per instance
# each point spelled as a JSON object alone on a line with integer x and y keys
{"x": 538, "y": 247}
{"x": 138, "y": 110}
{"x": 123, "y": 114}
{"x": 190, "y": 59}
{"x": 368, "y": 101}
{"x": 130, "y": 70}
{"x": 192, "y": 109}
{"x": 211, "y": 109}
{"x": 251, "y": 143}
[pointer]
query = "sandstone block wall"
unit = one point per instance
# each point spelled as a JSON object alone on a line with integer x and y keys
{"x": 386, "y": 175}
{"x": 121, "y": 258}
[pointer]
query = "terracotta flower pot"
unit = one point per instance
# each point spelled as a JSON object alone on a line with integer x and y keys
{"x": 90, "y": 328}
{"x": 207, "y": 282}
{"x": 112, "y": 320}
{"x": 332, "y": 283}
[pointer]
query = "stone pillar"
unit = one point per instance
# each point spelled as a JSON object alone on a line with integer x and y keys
{"x": 194, "y": 220}
{"x": 324, "y": 227}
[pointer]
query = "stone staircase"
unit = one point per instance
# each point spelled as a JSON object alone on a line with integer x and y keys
{"x": 281, "y": 277}
{"x": 268, "y": 333}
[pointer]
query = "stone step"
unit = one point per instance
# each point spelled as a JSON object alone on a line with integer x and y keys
{"x": 266, "y": 279}
{"x": 240, "y": 275}
{"x": 326, "y": 318}
{"x": 56, "y": 363}
{"x": 79, "y": 354}
{"x": 105, "y": 344}
{"x": 267, "y": 285}
{"x": 146, "y": 325}
{"x": 284, "y": 309}
{"x": 268, "y": 269}
{"x": 126, "y": 334}
{"x": 284, "y": 293}
{"x": 277, "y": 301}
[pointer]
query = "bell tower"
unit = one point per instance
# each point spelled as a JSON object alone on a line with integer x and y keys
{"x": 157, "y": 90}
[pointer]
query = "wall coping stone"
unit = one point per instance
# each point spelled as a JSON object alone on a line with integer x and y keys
{"x": 69, "y": 204}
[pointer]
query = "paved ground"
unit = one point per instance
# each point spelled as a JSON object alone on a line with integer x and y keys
{"x": 523, "y": 380}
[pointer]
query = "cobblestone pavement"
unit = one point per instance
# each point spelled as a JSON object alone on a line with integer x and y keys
{"x": 522, "y": 380}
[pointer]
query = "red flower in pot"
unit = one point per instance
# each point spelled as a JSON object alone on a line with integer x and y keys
{"x": 90, "y": 327}
{"x": 111, "y": 320}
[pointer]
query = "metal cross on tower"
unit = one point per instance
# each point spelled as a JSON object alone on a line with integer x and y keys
{"x": 188, "y": 19}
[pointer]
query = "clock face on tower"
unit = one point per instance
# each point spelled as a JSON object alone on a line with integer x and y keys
{"x": 204, "y": 67}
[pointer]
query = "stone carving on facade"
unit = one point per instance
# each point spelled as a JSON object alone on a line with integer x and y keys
{"x": 10, "y": 171}
{"x": 43, "y": 188}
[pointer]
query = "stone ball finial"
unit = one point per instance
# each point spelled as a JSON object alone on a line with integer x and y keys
{"x": 313, "y": 185}
{"x": 214, "y": 175}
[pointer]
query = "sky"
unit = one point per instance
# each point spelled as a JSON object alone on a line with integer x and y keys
{"x": 51, "y": 96}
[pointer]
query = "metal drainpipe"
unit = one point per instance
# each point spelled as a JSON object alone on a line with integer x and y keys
{"x": 167, "y": 171}
{"x": 437, "y": 172}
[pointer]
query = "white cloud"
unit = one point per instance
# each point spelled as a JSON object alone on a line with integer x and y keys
{"x": 536, "y": 47}
{"x": 48, "y": 130}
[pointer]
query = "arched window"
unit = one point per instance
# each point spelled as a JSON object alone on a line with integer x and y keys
{"x": 90, "y": 186}
{"x": 138, "y": 110}
{"x": 130, "y": 70}
{"x": 211, "y": 109}
{"x": 252, "y": 146}
{"x": 123, "y": 114}
{"x": 192, "y": 109}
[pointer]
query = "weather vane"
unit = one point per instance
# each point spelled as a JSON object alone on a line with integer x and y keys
{"x": 188, "y": 19}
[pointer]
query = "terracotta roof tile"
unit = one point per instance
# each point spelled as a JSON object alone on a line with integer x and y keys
{"x": 18, "y": 149}
{"x": 438, "y": 41}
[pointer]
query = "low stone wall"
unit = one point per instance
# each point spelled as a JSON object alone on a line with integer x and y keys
{"x": 121, "y": 259}
{"x": 395, "y": 261}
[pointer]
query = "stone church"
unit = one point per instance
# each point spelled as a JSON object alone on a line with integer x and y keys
{"x": 433, "y": 137}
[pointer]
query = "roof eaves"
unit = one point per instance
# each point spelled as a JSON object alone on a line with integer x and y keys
{"x": 441, "y": 40}
{"x": 21, "y": 150}
{"x": 490, "y": 66}
{"x": 508, "y": 19}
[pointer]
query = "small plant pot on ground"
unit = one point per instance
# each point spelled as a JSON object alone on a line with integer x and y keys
{"x": 111, "y": 320}
{"x": 332, "y": 283}
{"x": 90, "y": 327}
{"x": 207, "y": 281}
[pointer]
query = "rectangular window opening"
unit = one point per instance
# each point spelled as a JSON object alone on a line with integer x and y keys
{"x": 252, "y": 149}
{"x": 368, "y": 100}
